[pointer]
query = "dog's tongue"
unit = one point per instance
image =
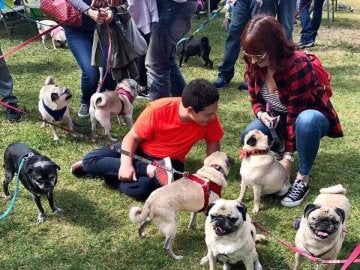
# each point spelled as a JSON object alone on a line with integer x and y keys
{"x": 322, "y": 233}
{"x": 219, "y": 230}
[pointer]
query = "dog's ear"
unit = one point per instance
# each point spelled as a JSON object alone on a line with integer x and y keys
{"x": 56, "y": 166}
{"x": 252, "y": 140}
{"x": 208, "y": 208}
{"x": 229, "y": 161}
{"x": 341, "y": 213}
{"x": 242, "y": 209}
{"x": 54, "y": 97}
{"x": 309, "y": 208}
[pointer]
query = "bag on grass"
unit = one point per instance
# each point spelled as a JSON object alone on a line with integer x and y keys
{"x": 60, "y": 11}
{"x": 323, "y": 75}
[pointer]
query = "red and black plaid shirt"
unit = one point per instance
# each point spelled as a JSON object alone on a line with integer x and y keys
{"x": 299, "y": 89}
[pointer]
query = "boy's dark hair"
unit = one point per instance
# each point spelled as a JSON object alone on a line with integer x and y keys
{"x": 199, "y": 94}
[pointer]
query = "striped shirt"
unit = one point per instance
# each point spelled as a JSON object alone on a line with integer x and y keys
{"x": 273, "y": 99}
{"x": 299, "y": 89}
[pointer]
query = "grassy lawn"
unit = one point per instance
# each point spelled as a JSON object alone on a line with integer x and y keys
{"x": 94, "y": 231}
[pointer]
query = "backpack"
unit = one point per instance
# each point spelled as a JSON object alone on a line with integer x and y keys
{"x": 323, "y": 75}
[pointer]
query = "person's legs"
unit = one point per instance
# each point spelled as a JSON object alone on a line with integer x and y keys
{"x": 316, "y": 18}
{"x": 310, "y": 127}
{"x": 286, "y": 12}
{"x": 80, "y": 44}
{"x": 6, "y": 91}
{"x": 306, "y": 29}
{"x": 174, "y": 23}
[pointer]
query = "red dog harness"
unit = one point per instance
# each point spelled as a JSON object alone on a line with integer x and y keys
{"x": 122, "y": 91}
{"x": 248, "y": 153}
{"x": 207, "y": 186}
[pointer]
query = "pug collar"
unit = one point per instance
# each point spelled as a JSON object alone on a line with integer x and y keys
{"x": 219, "y": 168}
{"x": 255, "y": 152}
{"x": 122, "y": 91}
{"x": 56, "y": 114}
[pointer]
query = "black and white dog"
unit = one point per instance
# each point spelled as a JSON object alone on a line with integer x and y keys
{"x": 38, "y": 174}
{"x": 192, "y": 47}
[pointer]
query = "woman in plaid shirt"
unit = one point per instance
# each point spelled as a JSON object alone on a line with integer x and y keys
{"x": 285, "y": 93}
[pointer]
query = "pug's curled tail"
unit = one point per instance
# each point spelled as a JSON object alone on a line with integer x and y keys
{"x": 49, "y": 80}
{"x": 337, "y": 189}
{"x": 138, "y": 215}
{"x": 98, "y": 100}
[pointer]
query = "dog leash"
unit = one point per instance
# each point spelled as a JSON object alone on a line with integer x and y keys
{"x": 346, "y": 262}
{"x": 214, "y": 14}
{"x": 16, "y": 191}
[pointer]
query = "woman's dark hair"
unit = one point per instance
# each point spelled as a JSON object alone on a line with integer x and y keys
{"x": 264, "y": 34}
{"x": 199, "y": 94}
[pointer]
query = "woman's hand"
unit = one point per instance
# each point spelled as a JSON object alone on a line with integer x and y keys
{"x": 98, "y": 15}
{"x": 269, "y": 121}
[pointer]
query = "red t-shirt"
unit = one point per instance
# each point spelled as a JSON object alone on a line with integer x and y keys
{"x": 164, "y": 134}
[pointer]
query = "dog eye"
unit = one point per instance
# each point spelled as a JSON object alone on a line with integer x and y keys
{"x": 213, "y": 217}
{"x": 233, "y": 219}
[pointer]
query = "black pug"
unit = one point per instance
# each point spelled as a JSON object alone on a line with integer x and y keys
{"x": 192, "y": 47}
{"x": 38, "y": 174}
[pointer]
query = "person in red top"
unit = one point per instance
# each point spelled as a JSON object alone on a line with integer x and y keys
{"x": 165, "y": 131}
{"x": 287, "y": 98}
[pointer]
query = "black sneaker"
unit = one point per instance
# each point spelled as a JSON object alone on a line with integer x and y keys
{"x": 305, "y": 45}
{"x": 83, "y": 110}
{"x": 13, "y": 115}
{"x": 144, "y": 93}
{"x": 296, "y": 194}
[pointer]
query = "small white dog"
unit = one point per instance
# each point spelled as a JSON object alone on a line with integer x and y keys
{"x": 260, "y": 169}
{"x": 54, "y": 104}
{"x": 119, "y": 102}
{"x": 57, "y": 35}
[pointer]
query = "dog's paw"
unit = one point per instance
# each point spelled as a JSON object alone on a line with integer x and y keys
{"x": 204, "y": 260}
{"x": 256, "y": 209}
{"x": 7, "y": 197}
{"x": 41, "y": 218}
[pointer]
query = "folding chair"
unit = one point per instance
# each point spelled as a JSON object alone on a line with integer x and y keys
{"x": 13, "y": 16}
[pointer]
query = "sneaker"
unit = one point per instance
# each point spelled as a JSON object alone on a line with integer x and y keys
{"x": 144, "y": 92}
{"x": 296, "y": 194}
{"x": 83, "y": 111}
{"x": 243, "y": 86}
{"x": 163, "y": 176}
{"x": 220, "y": 82}
{"x": 304, "y": 45}
{"x": 12, "y": 115}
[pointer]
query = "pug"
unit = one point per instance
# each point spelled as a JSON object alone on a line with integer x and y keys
{"x": 182, "y": 195}
{"x": 230, "y": 236}
{"x": 119, "y": 102}
{"x": 57, "y": 35}
{"x": 260, "y": 169}
{"x": 37, "y": 173}
{"x": 54, "y": 104}
{"x": 323, "y": 225}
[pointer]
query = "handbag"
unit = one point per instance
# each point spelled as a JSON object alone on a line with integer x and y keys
{"x": 61, "y": 11}
{"x": 135, "y": 38}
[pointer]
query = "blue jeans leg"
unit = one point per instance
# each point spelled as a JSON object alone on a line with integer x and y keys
{"x": 306, "y": 29}
{"x": 317, "y": 16}
{"x": 164, "y": 76}
{"x": 6, "y": 83}
{"x": 286, "y": 13}
{"x": 242, "y": 12}
{"x": 80, "y": 44}
{"x": 310, "y": 127}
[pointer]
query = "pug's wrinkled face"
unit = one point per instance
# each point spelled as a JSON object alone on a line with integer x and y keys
{"x": 323, "y": 221}
{"x": 221, "y": 159}
{"x": 60, "y": 94}
{"x": 226, "y": 216}
{"x": 255, "y": 139}
{"x": 43, "y": 174}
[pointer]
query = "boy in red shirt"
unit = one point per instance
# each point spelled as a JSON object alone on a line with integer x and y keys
{"x": 165, "y": 131}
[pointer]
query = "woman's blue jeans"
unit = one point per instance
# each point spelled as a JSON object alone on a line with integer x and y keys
{"x": 309, "y": 27}
{"x": 80, "y": 44}
{"x": 163, "y": 74}
{"x": 104, "y": 162}
{"x": 310, "y": 127}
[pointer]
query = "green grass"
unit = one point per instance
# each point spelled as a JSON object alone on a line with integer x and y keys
{"x": 94, "y": 232}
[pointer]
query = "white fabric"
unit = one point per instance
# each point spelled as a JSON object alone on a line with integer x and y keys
{"x": 143, "y": 12}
